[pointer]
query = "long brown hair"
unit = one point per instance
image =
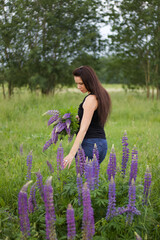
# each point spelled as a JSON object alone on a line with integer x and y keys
{"x": 93, "y": 85}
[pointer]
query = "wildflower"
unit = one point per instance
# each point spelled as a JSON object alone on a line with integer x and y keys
{"x": 89, "y": 174}
{"x": 54, "y": 135}
{"x": 47, "y": 144}
{"x": 147, "y": 184}
{"x": 79, "y": 186}
{"x": 53, "y": 119}
{"x": 88, "y": 216}
{"x": 50, "y": 167}
{"x": 59, "y": 127}
{"x": 51, "y": 112}
{"x": 95, "y": 152}
{"x": 29, "y": 164}
{"x": 50, "y": 216}
{"x": 95, "y": 170}
{"x": 80, "y": 160}
{"x": 66, "y": 115}
{"x": 131, "y": 208}
{"x": 125, "y": 156}
{"x": 134, "y": 167}
{"x": 111, "y": 169}
{"x": 23, "y": 210}
{"x": 68, "y": 123}
{"x": 70, "y": 223}
{"x": 137, "y": 236}
{"x": 40, "y": 184}
{"x": 21, "y": 149}
{"x": 111, "y": 211}
{"x": 60, "y": 156}
{"x": 32, "y": 204}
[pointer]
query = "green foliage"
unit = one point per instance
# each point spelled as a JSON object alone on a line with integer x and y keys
{"x": 21, "y": 121}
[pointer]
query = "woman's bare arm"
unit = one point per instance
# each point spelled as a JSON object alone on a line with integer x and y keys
{"x": 89, "y": 106}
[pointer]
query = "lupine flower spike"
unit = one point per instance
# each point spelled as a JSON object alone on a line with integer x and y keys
{"x": 131, "y": 208}
{"x": 88, "y": 216}
{"x": 125, "y": 156}
{"x": 40, "y": 184}
{"x": 134, "y": 168}
{"x": 95, "y": 152}
{"x": 71, "y": 228}
{"x": 50, "y": 216}
{"x": 29, "y": 165}
{"x": 23, "y": 211}
{"x": 89, "y": 174}
{"x": 147, "y": 184}
{"x": 79, "y": 187}
{"x": 53, "y": 119}
{"x": 111, "y": 169}
{"x": 80, "y": 161}
{"x": 60, "y": 156}
{"x": 137, "y": 236}
{"x": 47, "y": 144}
{"x": 95, "y": 170}
{"x": 50, "y": 167}
{"x": 50, "y": 112}
{"x": 32, "y": 204}
{"x": 111, "y": 211}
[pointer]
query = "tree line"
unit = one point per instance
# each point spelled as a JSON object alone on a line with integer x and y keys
{"x": 42, "y": 41}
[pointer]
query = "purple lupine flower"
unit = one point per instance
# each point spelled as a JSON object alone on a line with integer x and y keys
{"x": 29, "y": 165}
{"x": 32, "y": 204}
{"x": 147, "y": 184}
{"x": 47, "y": 144}
{"x": 89, "y": 174}
{"x": 60, "y": 156}
{"x": 111, "y": 211}
{"x": 50, "y": 167}
{"x": 88, "y": 215}
{"x": 40, "y": 184}
{"x": 71, "y": 227}
{"x": 51, "y": 112}
{"x": 135, "y": 152}
{"x": 125, "y": 156}
{"x": 79, "y": 187}
{"x": 96, "y": 169}
{"x": 131, "y": 208}
{"x": 111, "y": 169}
{"x": 134, "y": 168}
{"x": 137, "y": 236}
{"x": 54, "y": 135}
{"x": 53, "y": 119}
{"x": 50, "y": 216}
{"x": 80, "y": 160}
{"x": 70, "y": 138}
{"x": 68, "y": 123}
{"x": 59, "y": 127}
{"x": 96, "y": 152}
{"x": 23, "y": 210}
{"x": 21, "y": 149}
{"x": 66, "y": 115}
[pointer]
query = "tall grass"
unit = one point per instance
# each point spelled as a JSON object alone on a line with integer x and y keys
{"x": 21, "y": 121}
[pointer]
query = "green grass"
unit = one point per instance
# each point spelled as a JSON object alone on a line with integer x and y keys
{"x": 21, "y": 121}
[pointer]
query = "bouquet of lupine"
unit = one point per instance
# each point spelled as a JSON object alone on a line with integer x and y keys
{"x": 64, "y": 124}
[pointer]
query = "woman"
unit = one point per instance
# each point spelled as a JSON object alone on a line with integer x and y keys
{"x": 92, "y": 115}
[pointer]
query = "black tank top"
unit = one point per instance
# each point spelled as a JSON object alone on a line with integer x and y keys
{"x": 95, "y": 130}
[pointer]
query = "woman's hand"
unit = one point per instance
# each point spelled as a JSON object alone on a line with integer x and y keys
{"x": 68, "y": 160}
{"x": 77, "y": 117}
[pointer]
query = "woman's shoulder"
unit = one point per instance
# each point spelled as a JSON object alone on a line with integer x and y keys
{"x": 91, "y": 100}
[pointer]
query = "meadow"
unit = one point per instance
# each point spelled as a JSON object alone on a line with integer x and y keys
{"x": 21, "y": 122}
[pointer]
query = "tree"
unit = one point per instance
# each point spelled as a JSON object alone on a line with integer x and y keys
{"x": 135, "y": 35}
{"x": 39, "y": 39}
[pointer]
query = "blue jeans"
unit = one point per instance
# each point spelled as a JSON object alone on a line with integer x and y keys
{"x": 88, "y": 145}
